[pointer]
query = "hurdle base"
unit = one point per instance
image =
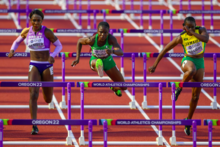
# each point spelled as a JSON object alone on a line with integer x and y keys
{"x": 82, "y": 140}
{"x": 159, "y": 140}
{"x": 132, "y": 105}
{"x": 51, "y": 105}
{"x": 132, "y": 15}
{"x": 107, "y": 2}
{"x": 214, "y": 105}
{"x": 180, "y": 16}
{"x": 68, "y": 140}
{"x": 144, "y": 105}
{"x": 65, "y": 16}
{"x": 171, "y": 51}
{"x": 9, "y": 16}
{"x": 63, "y": 105}
{"x": 122, "y": 16}
{"x": 173, "y": 140}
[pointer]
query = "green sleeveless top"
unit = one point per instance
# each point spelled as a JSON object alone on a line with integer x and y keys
{"x": 99, "y": 51}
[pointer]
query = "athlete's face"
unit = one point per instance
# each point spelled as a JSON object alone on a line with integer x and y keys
{"x": 191, "y": 26}
{"x": 36, "y": 21}
{"x": 102, "y": 33}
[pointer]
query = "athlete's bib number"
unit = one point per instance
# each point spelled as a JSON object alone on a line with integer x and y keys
{"x": 195, "y": 49}
{"x": 36, "y": 43}
{"x": 100, "y": 53}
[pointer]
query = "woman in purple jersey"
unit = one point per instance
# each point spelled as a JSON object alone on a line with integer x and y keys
{"x": 41, "y": 65}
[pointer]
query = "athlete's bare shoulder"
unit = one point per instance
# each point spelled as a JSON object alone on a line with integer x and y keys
{"x": 112, "y": 39}
{"x": 87, "y": 40}
{"x": 24, "y": 32}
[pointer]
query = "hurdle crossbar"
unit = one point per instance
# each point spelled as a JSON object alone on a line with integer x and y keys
{"x": 103, "y": 78}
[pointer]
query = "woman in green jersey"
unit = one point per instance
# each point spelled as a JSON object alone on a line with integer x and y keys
{"x": 101, "y": 60}
{"x": 193, "y": 40}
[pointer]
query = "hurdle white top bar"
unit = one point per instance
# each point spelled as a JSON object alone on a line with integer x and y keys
{"x": 98, "y": 78}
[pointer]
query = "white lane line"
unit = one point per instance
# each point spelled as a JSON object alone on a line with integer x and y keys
{"x": 63, "y": 117}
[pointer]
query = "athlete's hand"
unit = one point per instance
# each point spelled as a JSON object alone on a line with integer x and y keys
{"x": 187, "y": 29}
{"x": 11, "y": 54}
{"x": 152, "y": 69}
{"x": 75, "y": 62}
{"x": 51, "y": 60}
{"x": 108, "y": 51}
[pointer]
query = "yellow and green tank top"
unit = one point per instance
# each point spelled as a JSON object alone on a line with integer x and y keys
{"x": 192, "y": 45}
{"x": 99, "y": 51}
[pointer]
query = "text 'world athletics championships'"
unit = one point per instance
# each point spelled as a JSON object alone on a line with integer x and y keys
{"x": 148, "y": 122}
{"x": 122, "y": 84}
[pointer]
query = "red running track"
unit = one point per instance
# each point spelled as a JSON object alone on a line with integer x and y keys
{"x": 104, "y": 96}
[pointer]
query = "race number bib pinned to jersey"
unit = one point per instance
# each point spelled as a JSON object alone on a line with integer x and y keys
{"x": 195, "y": 48}
{"x": 36, "y": 43}
{"x": 99, "y": 53}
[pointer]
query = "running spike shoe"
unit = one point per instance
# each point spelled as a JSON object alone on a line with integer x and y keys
{"x": 187, "y": 129}
{"x": 118, "y": 92}
{"x": 177, "y": 92}
{"x": 34, "y": 130}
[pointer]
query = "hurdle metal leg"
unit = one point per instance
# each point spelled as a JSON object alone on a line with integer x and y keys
{"x": 132, "y": 103}
{"x": 210, "y": 133}
{"x": 82, "y": 138}
{"x": 63, "y": 102}
{"x": 173, "y": 138}
{"x": 90, "y": 133}
{"x": 144, "y": 103}
{"x": 1, "y": 133}
{"x": 194, "y": 134}
{"x": 69, "y": 138}
{"x": 159, "y": 139}
{"x": 105, "y": 129}
{"x": 214, "y": 103}
{"x": 122, "y": 58}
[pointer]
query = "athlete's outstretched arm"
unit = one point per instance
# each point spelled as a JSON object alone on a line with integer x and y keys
{"x": 17, "y": 42}
{"x": 169, "y": 46}
{"x": 116, "y": 47}
{"x": 82, "y": 41}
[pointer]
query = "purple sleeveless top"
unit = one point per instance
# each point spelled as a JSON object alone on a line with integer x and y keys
{"x": 38, "y": 42}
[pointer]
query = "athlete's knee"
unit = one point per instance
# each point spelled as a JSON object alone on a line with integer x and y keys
{"x": 48, "y": 97}
{"x": 123, "y": 88}
{"x": 192, "y": 71}
{"x": 48, "y": 100}
{"x": 195, "y": 98}
{"x": 34, "y": 94}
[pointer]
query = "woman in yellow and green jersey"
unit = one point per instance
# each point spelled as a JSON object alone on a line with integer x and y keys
{"x": 101, "y": 61}
{"x": 193, "y": 40}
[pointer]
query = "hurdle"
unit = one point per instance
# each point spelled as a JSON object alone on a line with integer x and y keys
{"x": 120, "y": 84}
{"x": 132, "y": 122}
{"x": 211, "y": 123}
{"x": 69, "y": 122}
{"x": 189, "y": 84}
